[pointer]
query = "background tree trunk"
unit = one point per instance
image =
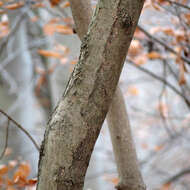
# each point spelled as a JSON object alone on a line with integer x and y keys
{"x": 77, "y": 120}
{"x": 124, "y": 151}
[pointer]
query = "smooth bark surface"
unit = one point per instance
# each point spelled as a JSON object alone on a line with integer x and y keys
{"x": 82, "y": 13}
{"x": 118, "y": 122}
{"x": 74, "y": 127}
{"x": 124, "y": 151}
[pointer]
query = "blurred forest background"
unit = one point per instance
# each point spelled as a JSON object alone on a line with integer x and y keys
{"x": 38, "y": 51}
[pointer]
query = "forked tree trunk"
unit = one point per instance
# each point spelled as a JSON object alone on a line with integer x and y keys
{"x": 74, "y": 127}
{"x": 118, "y": 122}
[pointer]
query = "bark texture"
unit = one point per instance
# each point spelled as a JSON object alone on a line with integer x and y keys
{"x": 125, "y": 155}
{"x": 118, "y": 122}
{"x": 82, "y": 14}
{"x": 75, "y": 124}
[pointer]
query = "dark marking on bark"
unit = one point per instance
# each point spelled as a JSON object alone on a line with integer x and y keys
{"x": 84, "y": 48}
{"x": 40, "y": 157}
{"x": 118, "y": 137}
{"x": 126, "y": 20}
{"x": 76, "y": 76}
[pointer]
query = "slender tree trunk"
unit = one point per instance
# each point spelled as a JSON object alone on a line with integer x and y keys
{"x": 74, "y": 127}
{"x": 124, "y": 151}
{"x": 117, "y": 117}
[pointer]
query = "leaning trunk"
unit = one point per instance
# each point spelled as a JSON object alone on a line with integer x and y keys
{"x": 77, "y": 120}
{"x": 117, "y": 117}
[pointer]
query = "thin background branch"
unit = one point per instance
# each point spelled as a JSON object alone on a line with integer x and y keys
{"x": 21, "y": 128}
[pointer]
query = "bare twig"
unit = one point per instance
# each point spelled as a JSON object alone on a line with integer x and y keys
{"x": 6, "y": 140}
{"x": 167, "y": 47}
{"x": 178, "y": 175}
{"x": 22, "y": 129}
{"x": 14, "y": 29}
{"x": 161, "y": 80}
{"x": 178, "y": 4}
{"x": 162, "y": 115}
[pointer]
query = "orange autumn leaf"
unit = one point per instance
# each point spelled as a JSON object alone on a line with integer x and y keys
{"x": 68, "y": 20}
{"x": 48, "y": 29}
{"x": 155, "y": 30}
{"x": 48, "y": 53}
{"x": 132, "y": 90}
{"x": 163, "y": 109}
{"x": 158, "y": 147}
{"x": 63, "y": 29}
{"x": 1, "y": 3}
{"x": 139, "y": 34}
{"x": 54, "y": 2}
{"x": 162, "y": 1}
{"x": 180, "y": 36}
{"x": 74, "y": 62}
{"x": 141, "y": 59}
{"x": 4, "y": 26}
{"x": 38, "y": 5}
{"x": 135, "y": 48}
{"x": 66, "y": 4}
{"x": 166, "y": 186}
{"x": 51, "y": 27}
{"x": 114, "y": 180}
{"x": 9, "y": 182}
{"x": 182, "y": 79}
{"x": 20, "y": 180}
{"x": 187, "y": 16}
{"x": 14, "y": 6}
{"x": 153, "y": 55}
{"x": 32, "y": 181}
{"x": 22, "y": 172}
{"x": 156, "y": 7}
{"x": 144, "y": 146}
{"x": 11, "y": 188}
{"x": 3, "y": 170}
{"x": 169, "y": 31}
{"x": 41, "y": 81}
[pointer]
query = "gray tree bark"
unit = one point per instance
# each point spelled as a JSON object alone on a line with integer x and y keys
{"x": 124, "y": 151}
{"x": 117, "y": 117}
{"x": 74, "y": 127}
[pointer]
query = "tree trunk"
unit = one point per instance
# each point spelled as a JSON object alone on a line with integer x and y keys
{"x": 74, "y": 127}
{"x": 117, "y": 117}
{"x": 124, "y": 151}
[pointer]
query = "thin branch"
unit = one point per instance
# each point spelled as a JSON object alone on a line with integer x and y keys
{"x": 22, "y": 129}
{"x": 161, "y": 80}
{"x": 167, "y": 47}
{"x": 14, "y": 29}
{"x": 178, "y": 4}
{"x": 6, "y": 140}
{"x": 162, "y": 116}
{"x": 180, "y": 174}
